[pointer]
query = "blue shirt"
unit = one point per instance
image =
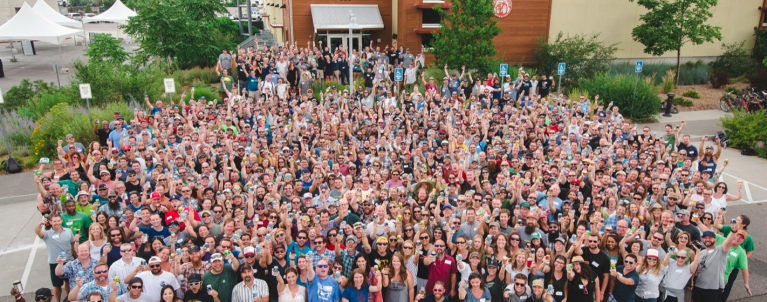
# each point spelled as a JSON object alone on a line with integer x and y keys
{"x": 252, "y": 83}
{"x": 357, "y": 295}
{"x": 324, "y": 290}
{"x": 293, "y": 248}
{"x": 116, "y": 136}
{"x": 151, "y": 232}
{"x": 623, "y": 292}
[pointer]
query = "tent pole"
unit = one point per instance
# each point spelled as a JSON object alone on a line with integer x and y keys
{"x": 13, "y": 55}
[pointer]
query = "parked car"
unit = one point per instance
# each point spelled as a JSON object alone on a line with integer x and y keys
{"x": 62, "y": 3}
{"x": 75, "y": 16}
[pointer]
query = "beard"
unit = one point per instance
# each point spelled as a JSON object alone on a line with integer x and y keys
{"x": 709, "y": 243}
{"x": 248, "y": 279}
{"x": 529, "y": 228}
{"x": 114, "y": 205}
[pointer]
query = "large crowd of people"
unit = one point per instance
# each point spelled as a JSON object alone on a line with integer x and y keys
{"x": 459, "y": 189}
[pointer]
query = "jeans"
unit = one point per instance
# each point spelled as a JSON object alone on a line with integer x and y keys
{"x": 730, "y": 282}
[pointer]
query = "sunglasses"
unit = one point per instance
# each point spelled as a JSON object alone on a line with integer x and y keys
{"x": 519, "y": 284}
{"x": 322, "y": 266}
{"x": 141, "y": 286}
{"x": 101, "y": 272}
{"x": 629, "y": 262}
{"x": 154, "y": 266}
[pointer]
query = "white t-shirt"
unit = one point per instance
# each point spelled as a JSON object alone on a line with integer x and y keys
{"x": 153, "y": 284}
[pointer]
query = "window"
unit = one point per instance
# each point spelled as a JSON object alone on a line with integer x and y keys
{"x": 431, "y": 18}
{"x": 426, "y": 40}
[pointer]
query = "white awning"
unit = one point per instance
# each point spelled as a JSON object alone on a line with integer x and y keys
{"x": 336, "y": 16}
{"x": 27, "y": 24}
{"x": 118, "y": 13}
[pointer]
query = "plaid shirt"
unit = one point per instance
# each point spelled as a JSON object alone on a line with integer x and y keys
{"x": 71, "y": 269}
{"x": 316, "y": 257}
{"x": 348, "y": 261}
{"x": 105, "y": 291}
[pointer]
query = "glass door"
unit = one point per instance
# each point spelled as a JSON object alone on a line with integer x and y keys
{"x": 336, "y": 40}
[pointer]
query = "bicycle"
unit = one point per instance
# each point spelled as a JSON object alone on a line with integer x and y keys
{"x": 728, "y": 102}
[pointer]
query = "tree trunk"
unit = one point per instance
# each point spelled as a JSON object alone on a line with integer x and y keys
{"x": 678, "y": 63}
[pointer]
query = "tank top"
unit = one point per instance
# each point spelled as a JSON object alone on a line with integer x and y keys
{"x": 287, "y": 295}
{"x": 396, "y": 292}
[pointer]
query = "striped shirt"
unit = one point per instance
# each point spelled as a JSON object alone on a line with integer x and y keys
{"x": 348, "y": 262}
{"x": 105, "y": 291}
{"x": 330, "y": 255}
{"x": 243, "y": 293}
{"x": 72, "y": 268}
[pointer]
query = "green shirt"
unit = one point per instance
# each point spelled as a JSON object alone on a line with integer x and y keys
{"x": 223, "y": 283}
{"x": 78, "y": 222}
{"x": 736, "y": 258}
{"x": 84, "y": 209}
{"x": 228, "y": 81}
{"x": 747, "y": 245}
{"x": 73, "y": 188}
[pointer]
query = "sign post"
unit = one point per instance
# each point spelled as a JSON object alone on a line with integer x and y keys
{"x": 398, "y": 76}
{"x": 637, "y": 69}
{"x": 170, "y": 87}
{"x": 7, "y": 146}
{"x": 560, "y": 72}
{"x": 504, "y": 72}
{"x": 85, "y": 93}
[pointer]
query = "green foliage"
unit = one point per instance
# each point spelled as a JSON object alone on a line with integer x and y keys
{"x": 735, "y": 61}
{"x": 117, "y": 82}
{"x": 732, "y": 89}
{"x": 187, "y": 32}
{"x": 691, "y": 94}
{"x": 18, "y": 128}
{"x": 679, "y": 101}
{"x": 585, "y": 56}
{"x": 466, "y": 35}
{"x": 65, "y": 118}
{"x": 690, "y": 73}
{"x": 20, "y": 94}
{"x": 760, "y": 49}
{"x": 620, "y": 90}
{"x": 200, "y": 90}
{"x": 670, "y": 24}
{"x": 322, "y": 86}
{"x": 196, "y": 74}
{"x": 576, "y": 93}
{"x": 39, "y": 105}
{"x": 668, "y": 82}
{"x": 746, "y": 128}
{"x": 106, "y": 48}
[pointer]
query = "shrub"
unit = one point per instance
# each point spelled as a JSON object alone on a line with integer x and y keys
{"x": 585, "y": 56}
{"x": 694, "y": 73}
{"x": 668, "y": 82}
{"x": 744, "y": 129}
{"x": 18, "y": 95}
{"x": 719, "y": 79}
{"x": 679, "y": 101}
{"x": 735, "y": 60}
{"x": 201, "y": 90}
{"x": 620, "y": 90}
{"x": 576, "y": 93}
{"x": 732, "y": 89}
{"x": 64, "y": 118}
{"x": 691, "y": 94}
{"x": 18, "y": 128}
{"x": 759, "y": 79}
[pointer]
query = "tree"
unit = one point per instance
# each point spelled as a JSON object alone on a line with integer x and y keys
{"x": 466, "y": 35}
{"x": 184, "y": 32}
{"x": 585, "y": 56}
{"x": 670, "y": 24}
{"x": 106, "y": 48}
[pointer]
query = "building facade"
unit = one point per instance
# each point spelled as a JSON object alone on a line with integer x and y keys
{"x": 411, "y": 23}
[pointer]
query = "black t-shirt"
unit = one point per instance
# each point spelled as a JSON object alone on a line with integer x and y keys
{"x": 103, "y": 136}
{"x": 544, "y": 86}
{"x": 600, "y": 262}
{"x": 369, "y": 77}
{"x": 242, "y": 74}
{"x": 272, "y": 280}
{"x": 393, "y": 57}
{"x": 495, "y": 287}
{"x": 129, "y": 187}
{"x": 200, "y": 296}
{"x": 383, "y": 261}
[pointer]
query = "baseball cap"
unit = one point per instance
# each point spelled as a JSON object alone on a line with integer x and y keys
{"x": 351, "y": 238}
{"x": 44, "y": 291}
{"x": 156, "y": 195}
{"x": 496, "y": 224}
{"x": 249, "y": 250}
{"x": 537, "y": 283}
{"x": 535, "y": 235}
{"x": 82, "y": 193}
{"x": 154, "y": 259}
{"x": 194, "y": 278}
{"x": 104, "y": 171}
{"x": 708, "y": 233}
{"x": 652, "y": 253}
{"x": 307, "y": 195}
{"x": 111, "y": 193}
{"x": 216, "y": 256}
{"x": 524, "y": 204}
{"x": 742, "y": 233}
{"x": 532, "y": 215}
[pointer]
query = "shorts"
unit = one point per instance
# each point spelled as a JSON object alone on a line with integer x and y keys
{"x": 56, "y": 281}
{"x": 706, "y": 295}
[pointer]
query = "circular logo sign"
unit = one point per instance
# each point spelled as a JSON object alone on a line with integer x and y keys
{"x": 502, "y": 8}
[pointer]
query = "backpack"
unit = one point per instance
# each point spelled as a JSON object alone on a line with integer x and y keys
{"x": 12, "y": 166}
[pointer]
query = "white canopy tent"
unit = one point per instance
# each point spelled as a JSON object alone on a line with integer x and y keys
{"x": 118, "y": 13}
{"x": 30, "y": 25}
{"x": 49, "y": 13}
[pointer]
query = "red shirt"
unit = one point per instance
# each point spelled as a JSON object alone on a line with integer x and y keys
{"x": 441, "y": 270}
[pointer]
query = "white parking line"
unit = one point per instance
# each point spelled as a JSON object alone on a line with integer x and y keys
{"x": 15, "y": 196}
{"x": 30, "y": 260}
